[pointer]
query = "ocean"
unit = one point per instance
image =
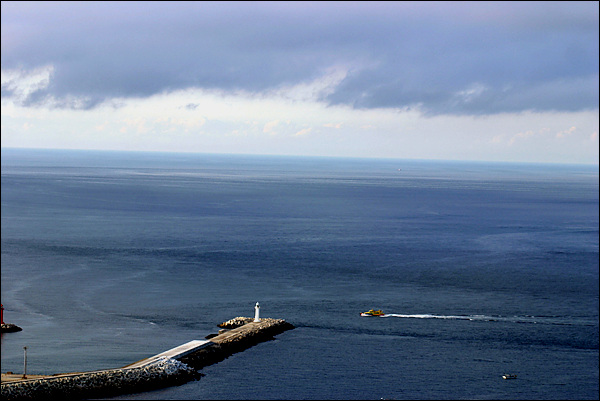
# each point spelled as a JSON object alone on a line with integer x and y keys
{"x": 482, "y": 269}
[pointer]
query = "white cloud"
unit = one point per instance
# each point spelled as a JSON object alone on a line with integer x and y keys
{"x": 22, "y": 83}
{"x": 520, "y": 136}
{"x": 314, "y": 90}
{"x": 497, "y": 139}
{"x": 197, "y": 120}
{"x": 565, "y": 133}
{"x": 471, "y": 93}
{"x": 270, "y": 127}
{"x": 302, "y": 132}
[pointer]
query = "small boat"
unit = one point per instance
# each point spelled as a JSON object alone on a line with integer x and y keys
{"x": 509, "y": 376}
{"x": 372, "y": 312}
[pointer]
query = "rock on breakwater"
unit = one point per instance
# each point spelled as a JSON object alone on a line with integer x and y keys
{"x": 235, "y": 322}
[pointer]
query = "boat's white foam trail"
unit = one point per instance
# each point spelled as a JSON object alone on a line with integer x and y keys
{"x": 429, "y": 316}
{"x": 514, "y": 319}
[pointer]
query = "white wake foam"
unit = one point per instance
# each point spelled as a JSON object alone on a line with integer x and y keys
{"x": 453, "y": 317}
{"x": 558, "y": 320}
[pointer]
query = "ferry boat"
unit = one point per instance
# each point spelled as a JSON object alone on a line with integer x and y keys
{"x": 372, "y": 312}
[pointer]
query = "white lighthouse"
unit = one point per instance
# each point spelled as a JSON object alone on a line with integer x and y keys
{"x": 257, "y": 312}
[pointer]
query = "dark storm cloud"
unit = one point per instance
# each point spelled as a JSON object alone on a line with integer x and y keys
{"x": 465, "y": 58}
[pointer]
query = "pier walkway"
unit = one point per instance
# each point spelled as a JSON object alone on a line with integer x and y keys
{"x": 175, "y": 353}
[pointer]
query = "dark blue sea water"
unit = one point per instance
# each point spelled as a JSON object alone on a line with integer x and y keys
{"x": 483, "y": 268}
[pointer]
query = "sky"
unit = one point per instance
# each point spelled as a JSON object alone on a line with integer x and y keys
{"x": 484, "y": 81}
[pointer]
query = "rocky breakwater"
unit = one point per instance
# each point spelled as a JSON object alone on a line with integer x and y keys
{"x": 10, "y": 328}
{"x": 237, "y": 334}
{"x": 98, "y": 384}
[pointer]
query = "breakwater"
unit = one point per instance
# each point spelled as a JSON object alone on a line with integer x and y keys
{"x": 10, "y": 328}
{"x": 240, "y": 337}
{"x": 236, "y": 335}
{"x": 99, "y": 384}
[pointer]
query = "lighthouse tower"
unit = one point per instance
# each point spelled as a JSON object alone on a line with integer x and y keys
{"x": 2, "y": 313}
{"x": 257, "y": 312}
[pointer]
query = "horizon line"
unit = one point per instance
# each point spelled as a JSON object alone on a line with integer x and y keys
{"x": 2, "y": 148}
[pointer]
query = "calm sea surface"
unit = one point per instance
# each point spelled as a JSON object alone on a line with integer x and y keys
{"x": 483, "y": 269}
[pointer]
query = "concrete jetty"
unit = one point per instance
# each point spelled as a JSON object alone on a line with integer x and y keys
{"x": 175, "y": 366}
{"x": 174, "y": 353}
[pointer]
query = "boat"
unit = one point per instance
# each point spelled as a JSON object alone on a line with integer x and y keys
{"x": 509, "y": 376}
{"x": 372, "y": 312}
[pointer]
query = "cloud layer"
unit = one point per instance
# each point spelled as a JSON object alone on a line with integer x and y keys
{"x": 472, "y": 58}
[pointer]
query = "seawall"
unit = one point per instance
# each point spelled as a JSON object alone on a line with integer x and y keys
{"x": 238, "y": 334}
{"x": 99, "y": 384}
{"x": 10, "y": 328}
{"x": 236, "y": 339}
